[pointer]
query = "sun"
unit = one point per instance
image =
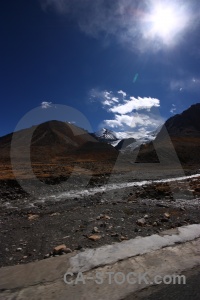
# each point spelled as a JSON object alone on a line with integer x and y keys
{"x": 165, "y": 21}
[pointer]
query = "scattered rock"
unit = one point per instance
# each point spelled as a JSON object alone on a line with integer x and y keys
{"x": 94, "y": 237}
{"x": 95, "y": 230}
{"x": 32, "y": 217}
{"x": 103, "y": 217}
{"x": 123, "y": 238}
{"x": 61, "y": 249}
{"x": 55, "y": 214}
{"x": 65, "y": 237}
{"x": 141, "y": 222}
{"x": 155, "y": 224}
{"x": 114, "y": 234}
{"x": 167, "y": 215}
{"x": 19, "y": 249}
{"x": 146, "y": 217}
{"x": 106, "y": 217}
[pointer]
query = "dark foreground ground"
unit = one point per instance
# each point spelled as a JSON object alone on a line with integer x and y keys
{"x": 30, "y": 232}
{"x": 188, "y": 291}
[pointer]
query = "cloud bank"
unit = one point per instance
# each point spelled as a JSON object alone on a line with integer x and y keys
{"x": 129, "y": 114}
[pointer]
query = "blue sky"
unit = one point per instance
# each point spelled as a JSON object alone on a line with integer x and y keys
{"x": 125, "y": 65}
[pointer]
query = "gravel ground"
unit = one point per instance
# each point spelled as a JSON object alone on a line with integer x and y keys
{"x": 30, "y": 229}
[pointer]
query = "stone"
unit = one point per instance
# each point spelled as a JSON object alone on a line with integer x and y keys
{"x": 123, "y": 238}
{"x": 94, "y": 237}
{"x": 141, "y": 222}
{"x": 106, "y": 217}
{"x": 32, "y": 217}
{"x": 67, "y": 250}
{"x": 167, "y": 215}
{"x": 95, "y": 230}
{"x": 55, "y": 214}
{"x": 114, "y": 234}
{"x": 61, "y": 249}
{"x": 19, "y": 249}
{"x": 103, "y": 217}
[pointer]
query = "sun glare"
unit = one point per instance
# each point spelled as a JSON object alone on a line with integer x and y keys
{"x": 163, "y": 21}
{"x": 166, "y": 21}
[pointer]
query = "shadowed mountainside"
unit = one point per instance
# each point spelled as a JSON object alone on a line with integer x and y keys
{"x": 54, "y": 142}
{"x": 180, "y": 132}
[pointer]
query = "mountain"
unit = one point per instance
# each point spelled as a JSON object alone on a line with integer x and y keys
{"x": 123, "y": 141}
{"x": 53, "y": 136}
{"x": 130, "y": 144}
{"x": 182, "y": 132}
{"x": 105, "y": 135}
{"x": 186, "y": 124}
{"x": 52, "y": 141}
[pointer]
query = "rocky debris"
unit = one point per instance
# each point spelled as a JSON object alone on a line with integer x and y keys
{"x": 103, "y": 217}
{"x": 167, "y": 215}
{"x": 32, "y": 217}
{"x": 55, "y": 214}
{"x": 95, "y": 230}
{"x": 141, "y": 222}
{"x": 79, "y": 219}
{"x": 94, "y": 237}
{"x": 59, "y": 250}
{"x": 182, "y": 208}
{"x": 114, "y": 234}
{"x": 123, "y": 238}
{"x": 19, "y": 249}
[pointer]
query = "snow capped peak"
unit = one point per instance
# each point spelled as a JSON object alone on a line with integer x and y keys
{"x": 106, "y": 134}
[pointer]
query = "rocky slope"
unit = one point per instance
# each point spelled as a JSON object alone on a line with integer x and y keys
{"x": 180, "y": 133}
{"x": 52, "y": 142}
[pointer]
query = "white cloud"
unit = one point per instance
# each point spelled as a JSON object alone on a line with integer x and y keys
{"x": 135, "y": 104}
{"x": 135, "y": 125}
{"x": 107, "y": 98}
{"x": 173, "y": 109}
{"x": 130, "y": 114}
{"x": 46, "y": 104}
{"x": 122, "y": 92}
{"x": 187, "y": 84}
{"x": 126, "y": 20}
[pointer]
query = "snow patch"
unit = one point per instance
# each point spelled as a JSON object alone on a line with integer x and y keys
{"x": 109, "y": 254}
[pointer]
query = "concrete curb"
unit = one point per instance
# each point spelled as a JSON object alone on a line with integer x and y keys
{"x": 44, "y": 279}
